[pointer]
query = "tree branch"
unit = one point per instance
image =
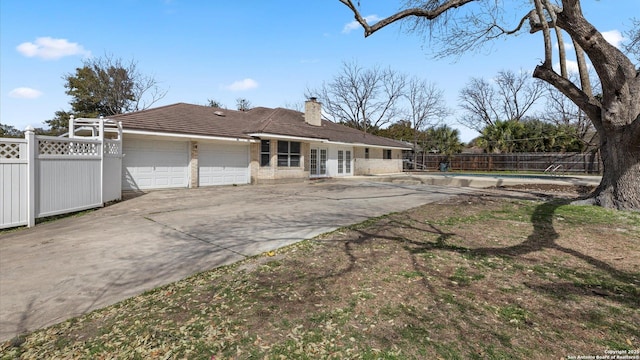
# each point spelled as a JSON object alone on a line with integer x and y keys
{"x": 600, "y": 52}
{"x": 419, "y": 12}
{"x": 545, "y": 30}
{"x": 589, "y": 105}
{"x": 585, "y": 83}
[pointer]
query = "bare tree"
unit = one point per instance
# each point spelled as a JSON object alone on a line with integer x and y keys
{"x": 243, "y": 104}
{"x": 459, "y": 26}
{"x": 478, "y": 100}
{"x": 122, "y": 86}
{"x": 295, "y": 105}
{"x": 633, "y": 46}
{"x": 426, "y": 107}
{"x": 559, "y": 110}
{"x": 365, "y": 99}
{"x": 214, "y": 103}
{"x": 510, "y": 98}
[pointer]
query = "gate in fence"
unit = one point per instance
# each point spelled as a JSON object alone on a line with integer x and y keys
{"x": 43, "y": 175}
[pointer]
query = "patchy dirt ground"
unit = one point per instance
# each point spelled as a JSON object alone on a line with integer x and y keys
{"x": 512, "y": 273}
{"x": 551, "y": 190}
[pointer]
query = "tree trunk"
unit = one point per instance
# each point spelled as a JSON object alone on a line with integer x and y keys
{"x": 620, "y": 185}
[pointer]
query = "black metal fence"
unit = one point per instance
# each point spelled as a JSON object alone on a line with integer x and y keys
{"x": 587, "y": 163}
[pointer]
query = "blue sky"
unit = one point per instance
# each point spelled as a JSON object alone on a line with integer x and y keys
{"x": 268, "y": 52}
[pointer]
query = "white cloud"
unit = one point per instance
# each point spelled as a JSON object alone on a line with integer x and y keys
{"x": 572, "y": 66}
{"x": 25, "y": 93}
{"x": 614, "y": 37}
{"x": 50, "y": 49}
{"x": 356, "y": 25}
{"x": 241, "y": 85}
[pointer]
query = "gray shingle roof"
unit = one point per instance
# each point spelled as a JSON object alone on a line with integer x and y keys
{"x": 200, "y": 120}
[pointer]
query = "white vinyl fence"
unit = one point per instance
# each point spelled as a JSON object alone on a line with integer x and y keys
{"x": 42, "y": 175}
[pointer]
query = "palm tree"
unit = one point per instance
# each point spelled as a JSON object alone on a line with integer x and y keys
{"x": 443, "y": 140}
{"x": 501, "y": 137}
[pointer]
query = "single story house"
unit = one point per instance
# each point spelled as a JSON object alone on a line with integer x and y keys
{"x": 184, "y": 145}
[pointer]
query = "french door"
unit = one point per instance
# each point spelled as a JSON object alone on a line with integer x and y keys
{"x": 318, "y": 162}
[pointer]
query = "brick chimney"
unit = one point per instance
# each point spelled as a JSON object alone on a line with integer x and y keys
{"x": 313, "y": 112}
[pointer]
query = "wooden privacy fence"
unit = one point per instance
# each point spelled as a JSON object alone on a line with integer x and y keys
{"x": 43, "y": 175}
{"x": 588, "y": 163}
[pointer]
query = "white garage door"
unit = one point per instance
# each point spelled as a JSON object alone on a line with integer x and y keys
{"x": 223, "y": 164}
{"x": 152, "y": 164}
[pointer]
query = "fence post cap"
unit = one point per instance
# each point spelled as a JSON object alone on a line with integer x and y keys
{"x": 29, "y": 128}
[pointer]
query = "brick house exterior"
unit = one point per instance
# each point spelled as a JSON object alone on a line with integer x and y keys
{"x": 184, "y": 145}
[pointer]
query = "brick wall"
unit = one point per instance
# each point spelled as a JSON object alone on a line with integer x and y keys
{"x": 193, "y": 164}
{"x": 272, "y": 173}
{"x": 376, "y": 164}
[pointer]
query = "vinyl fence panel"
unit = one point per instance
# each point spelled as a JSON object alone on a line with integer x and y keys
{"x": 112, "y": 171}
{"x": 13, "y": 183}
{"x": 44, "y": 175}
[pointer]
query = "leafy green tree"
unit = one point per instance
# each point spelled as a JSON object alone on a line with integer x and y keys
{"x": 502, "y": 136}
{"x": 60, "y": 123}
{"x": 401, "y": 130}
{"x": 541, "y": 136}
{"x": 8, "y": 131}
{"x": 104, "y": 87}
{"x": 530, "y": 135}
{"x": 443, "y": 140}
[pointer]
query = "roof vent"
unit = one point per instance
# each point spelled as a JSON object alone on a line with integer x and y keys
{"x": 219, "y": 113}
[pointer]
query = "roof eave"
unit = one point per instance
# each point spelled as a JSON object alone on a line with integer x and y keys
{"x": 324, "y": 141}
{"x": 369, "y": 145}
{"x": 187, "y": 136}
{"x": 286, "y": 137}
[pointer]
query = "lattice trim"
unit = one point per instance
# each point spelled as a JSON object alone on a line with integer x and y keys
{"x": 112, "y": 148}
{"x": 66, "y": 147}
{"x": 9, "y": 150}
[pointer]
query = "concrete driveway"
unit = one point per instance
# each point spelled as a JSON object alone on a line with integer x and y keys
{"x": 72, "y": 266}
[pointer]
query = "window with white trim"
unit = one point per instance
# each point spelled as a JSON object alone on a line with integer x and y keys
{"x": 340, "y": 161}
{"x": 265, "y": 152}
{"x": 289, "y": 153}
{"x": 386, "y": 154}
{"x": 347, "y": 161}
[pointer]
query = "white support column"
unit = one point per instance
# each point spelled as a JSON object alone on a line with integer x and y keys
{"x": 72, "y": 128}
{"x": 30, "y": 136}
{"x": 120, "y": 132}
{"x": 101, "y": 149}
{"x": 101, "y": 128}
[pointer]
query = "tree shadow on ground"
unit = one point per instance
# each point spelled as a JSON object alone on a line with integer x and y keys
{"x": 615, "y": 284}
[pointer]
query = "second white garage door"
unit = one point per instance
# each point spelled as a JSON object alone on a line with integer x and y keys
{"x": 223, "y": 164}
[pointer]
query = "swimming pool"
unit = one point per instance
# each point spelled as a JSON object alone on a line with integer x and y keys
{"x": 496, "y": 175}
